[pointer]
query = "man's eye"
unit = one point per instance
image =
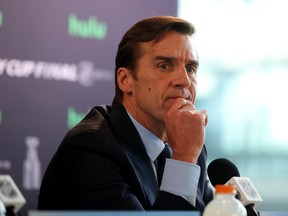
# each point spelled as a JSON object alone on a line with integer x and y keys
{"x": 191, "y": 69}
{"x": 164, "y": 67}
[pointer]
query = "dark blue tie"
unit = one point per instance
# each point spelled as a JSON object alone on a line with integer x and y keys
{"x": 160, "y": 161}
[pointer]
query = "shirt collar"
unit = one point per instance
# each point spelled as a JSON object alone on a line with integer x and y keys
{"x": 152, "y": 143}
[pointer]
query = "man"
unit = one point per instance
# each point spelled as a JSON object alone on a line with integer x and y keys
{"x": 107, "y": 161}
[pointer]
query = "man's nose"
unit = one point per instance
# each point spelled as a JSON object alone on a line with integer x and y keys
{"x": 182, "y": 79}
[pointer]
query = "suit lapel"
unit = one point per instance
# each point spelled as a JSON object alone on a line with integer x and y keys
{"x": 130, "y": 140}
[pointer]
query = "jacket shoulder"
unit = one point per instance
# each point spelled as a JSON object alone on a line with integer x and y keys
{"x": 95, "y": 119}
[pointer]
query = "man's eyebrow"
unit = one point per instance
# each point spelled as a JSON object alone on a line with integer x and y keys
{"x": 171, "y": 59}
{"x": 164, "y": 58}
{"x": 193, "y": 62}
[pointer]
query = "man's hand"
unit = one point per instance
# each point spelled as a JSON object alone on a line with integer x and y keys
{"x": 185, "y": 130}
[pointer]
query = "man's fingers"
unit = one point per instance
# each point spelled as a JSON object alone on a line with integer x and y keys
{"x": 205, "y": 117}
{"x": 183, "y": 103}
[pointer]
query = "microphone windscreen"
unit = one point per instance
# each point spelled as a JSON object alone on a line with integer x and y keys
{"x": 221, "y": 170}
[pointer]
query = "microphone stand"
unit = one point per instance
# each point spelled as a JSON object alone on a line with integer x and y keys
{"x": 10, "y": 211}
{"x": 250, "y": 210}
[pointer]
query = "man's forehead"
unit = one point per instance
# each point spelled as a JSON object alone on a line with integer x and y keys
{"x": 170, "y": 43}
{"x": 172, "y": 52}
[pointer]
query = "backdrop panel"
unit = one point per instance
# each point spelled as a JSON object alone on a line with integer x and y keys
{"x": 56, "y": 62}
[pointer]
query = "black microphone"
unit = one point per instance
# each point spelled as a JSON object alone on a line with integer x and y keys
{"x": 223, "y": 171}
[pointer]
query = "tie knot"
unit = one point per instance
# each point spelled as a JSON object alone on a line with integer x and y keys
{"x": 166, "y": 152}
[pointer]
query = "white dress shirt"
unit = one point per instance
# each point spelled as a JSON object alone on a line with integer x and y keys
{"x": 179, "y": 178}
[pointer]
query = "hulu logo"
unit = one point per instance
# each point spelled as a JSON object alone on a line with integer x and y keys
{"x": 1, "y": 18}
{"x": 90, "y": 28}
{"x": 74, "y": 117}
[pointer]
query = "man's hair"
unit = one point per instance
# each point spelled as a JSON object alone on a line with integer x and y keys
{"x": 146, "y": 30}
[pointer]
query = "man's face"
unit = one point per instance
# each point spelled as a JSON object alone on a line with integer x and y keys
{"x": 166, "y": 71}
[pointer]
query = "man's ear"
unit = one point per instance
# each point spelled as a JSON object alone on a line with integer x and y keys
{"x": 124, "y": 80}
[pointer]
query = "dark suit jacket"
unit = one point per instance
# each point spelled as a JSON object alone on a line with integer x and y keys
{"x": 102, "y": 164}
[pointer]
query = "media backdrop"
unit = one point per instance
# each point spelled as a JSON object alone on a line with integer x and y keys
{"x": 56, "y": 62}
